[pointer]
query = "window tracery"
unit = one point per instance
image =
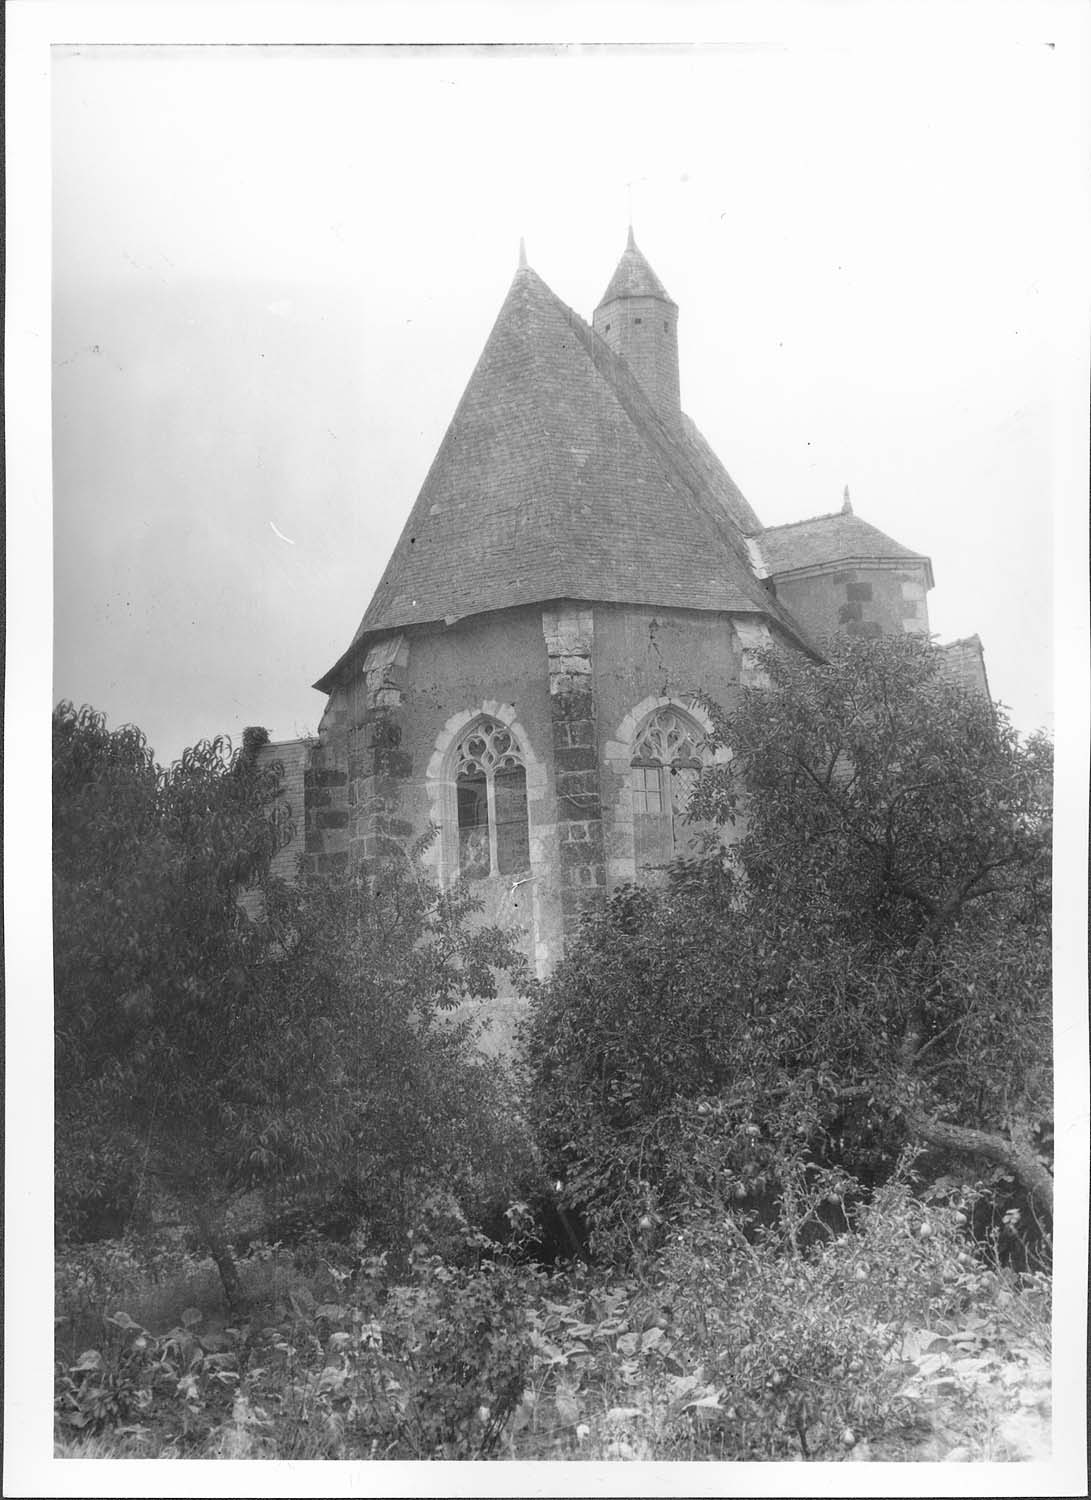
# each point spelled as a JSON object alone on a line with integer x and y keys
{"x": 491, "y": 791}
{"x": 668, "y": 755}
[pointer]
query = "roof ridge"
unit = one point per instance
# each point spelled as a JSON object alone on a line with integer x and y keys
{"x": 651, "y": 426}
{"x": 826, "y": 515}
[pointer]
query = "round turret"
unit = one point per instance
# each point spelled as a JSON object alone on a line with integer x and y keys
{"x": 639, "y": 321}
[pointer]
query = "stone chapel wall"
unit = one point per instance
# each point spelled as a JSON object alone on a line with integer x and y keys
{"x": 864, "y": 600}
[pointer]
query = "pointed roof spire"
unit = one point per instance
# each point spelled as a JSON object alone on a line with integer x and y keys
{"x": 846, "y": 506}
{"x": 522, "y": 254}
{"x": 634, "y": 277}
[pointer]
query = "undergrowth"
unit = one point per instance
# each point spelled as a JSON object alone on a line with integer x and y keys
{"x": 729, "y": 1342}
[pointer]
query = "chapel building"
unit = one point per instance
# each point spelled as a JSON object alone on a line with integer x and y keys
{"x": 578, "y": 571}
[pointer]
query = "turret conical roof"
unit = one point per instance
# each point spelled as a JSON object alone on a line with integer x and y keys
{"x": 634, "y": 277}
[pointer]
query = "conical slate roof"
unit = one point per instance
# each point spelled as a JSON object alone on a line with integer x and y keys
{"x": 840, "y": 537}
{"x": 634, "y": 277}
{"x": 557, "y": 480}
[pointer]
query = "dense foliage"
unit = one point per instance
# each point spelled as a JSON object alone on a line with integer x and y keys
{"x": 778, "y": 1088}
{"x": 867, "y": 964}
{"x": 203, "y": 1055}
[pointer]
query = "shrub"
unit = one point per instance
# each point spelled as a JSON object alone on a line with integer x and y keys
{"x": 734, "y": 1342}
{"x": 429, "y": 1365}
{"x": 818, "y": 1350}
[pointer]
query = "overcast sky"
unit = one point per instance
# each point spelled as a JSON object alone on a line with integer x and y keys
{"x": 275, "y": 268}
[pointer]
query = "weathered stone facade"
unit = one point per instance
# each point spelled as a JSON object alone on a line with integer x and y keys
{"x": 381, "y": 772}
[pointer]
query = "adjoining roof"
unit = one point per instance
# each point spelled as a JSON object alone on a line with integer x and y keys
{"x": 837, "y": 538}
{"x": 634, "y": 277}
{"x": 557, "y": 480}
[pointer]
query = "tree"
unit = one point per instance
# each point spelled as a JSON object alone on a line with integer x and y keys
{"x": 209, "y": 1054}
{"x": 642, "y": 1023}
{"x": 876, "y": 971}
{"x": 147, "y": 938}
{"x": 910, "y": 826}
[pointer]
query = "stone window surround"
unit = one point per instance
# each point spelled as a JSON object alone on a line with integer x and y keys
{"x": 441, "y": 856}
{"x": 617, "y": 759}
{"x": 487, "y": 764}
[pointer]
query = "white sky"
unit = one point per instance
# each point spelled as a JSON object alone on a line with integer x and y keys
{"x": 274, "y": 270}
{"x": 272, "y": 274}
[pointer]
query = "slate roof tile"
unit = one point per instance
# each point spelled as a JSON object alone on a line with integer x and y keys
{"x": 634, "y": 277}
{"x": 838, "y": 537}
{"x": 719, "y": 480}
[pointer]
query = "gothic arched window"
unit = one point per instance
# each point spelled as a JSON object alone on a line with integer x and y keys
{"x": 668, "y": 755}
{"x": 491, "y": 788}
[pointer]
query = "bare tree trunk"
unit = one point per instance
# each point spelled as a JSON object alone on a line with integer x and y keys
{"x": 212, "y": 1230}
{"x": 990, "y": 1144}
{"x": 1020, "y": 1160}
